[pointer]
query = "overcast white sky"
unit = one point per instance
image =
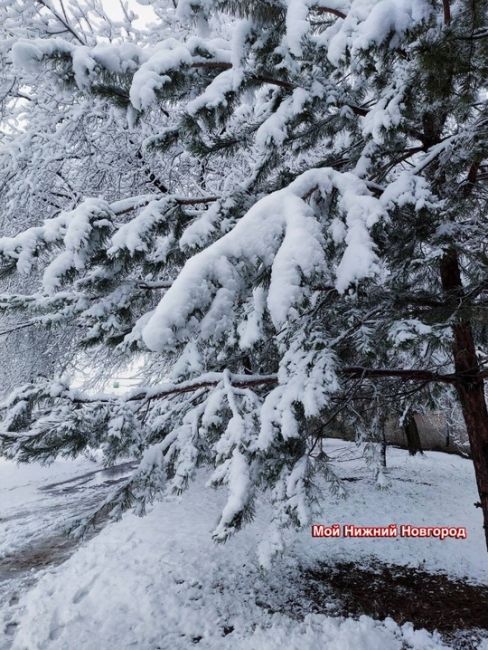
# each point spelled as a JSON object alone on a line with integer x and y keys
{"x": 113, "y": 8}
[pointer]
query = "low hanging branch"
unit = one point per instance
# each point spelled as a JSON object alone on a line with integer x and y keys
{"x": 211, "y": 380}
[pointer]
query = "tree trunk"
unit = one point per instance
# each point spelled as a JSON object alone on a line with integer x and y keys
{"x": 412, "y": 433}
{"x": 383, "y": 448}
{"x": 470, "y": 386}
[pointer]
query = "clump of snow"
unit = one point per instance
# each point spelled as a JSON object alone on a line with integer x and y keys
{"x": 384, "y": 115}
{"x": 274, "y": 129}
{"x": 153, "y": 74}
{"x": 306, "y": 376}
{"x": 135, "y": 234}
{"x": 172, "y": 56}
{"x": 408, "y": 188}
{"x": 29, "y": 53}
{"x": 202, "y": 228}
{"x": 239, "y": 483}
{"x": 297, "y": 23}
{"x": 215, "y": 94}
{"x": 372, "y": 22}
{"x": 81, "y": 226}
{"x": 189, "y": 9}
{"x": 408, "y": 330}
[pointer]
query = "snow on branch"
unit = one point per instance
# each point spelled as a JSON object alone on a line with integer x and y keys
{"x": 172, "y": 56}
{"x": 372, "y": 23}
{"x": 81, "y": 232}
{"x": 281, "y": 233}
{"x": 121, "y": 59}
{"x": 151, "y": 70}
{"x": 84, "y": 231}
{"x": 297, "y": 23}
{"x": 237, "y": 381}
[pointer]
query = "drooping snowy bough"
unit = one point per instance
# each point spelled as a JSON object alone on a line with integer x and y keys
{"x": 308, "y": 254}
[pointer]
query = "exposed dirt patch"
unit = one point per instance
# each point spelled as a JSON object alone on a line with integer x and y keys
{"x": 43, "y": 553}
{"x": 431, "y": 601}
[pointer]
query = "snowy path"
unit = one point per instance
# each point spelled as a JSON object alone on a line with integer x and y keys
{"x": 161, "y": 583}
{"x": 36, "y": 505}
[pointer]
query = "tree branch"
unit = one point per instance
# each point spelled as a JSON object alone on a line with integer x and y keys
{"x": 16, "y": 328}
{"x": 447, "y": 12}
{"x": 329, "y": 10}
{"x": 197, "y": 201}
{"x": 150, "y": 286}
{"x": 252, "y": 381}
{"x": 124, "y": 206}
{"x": 275, "y": 82}
{"x": 409, "y": 374}
{"x": 221, "y": 65}
{"x": 63, "y": 22}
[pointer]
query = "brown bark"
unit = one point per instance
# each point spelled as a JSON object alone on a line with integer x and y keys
{"x": 330, "y": 10}
{"x": 412, "y": 433}
{"x": 447, "y": 11}
{"x": 469, "y": 384}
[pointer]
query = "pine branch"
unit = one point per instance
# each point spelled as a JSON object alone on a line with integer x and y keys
{"x": 155, "y": 285}
{"x": 482, "y": 32}
{"x": 329, "y": 10}
{"x": 220, "y": 65}
{"x": 17, "y": 328}
{"x": 197, "y": 201}
{"x": 275, "y": 82}
{"x": 399, "y": 373}
{"x": 211, "y": 380}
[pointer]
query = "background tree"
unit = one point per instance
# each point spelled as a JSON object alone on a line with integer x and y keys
{"x": 55, "y": 149}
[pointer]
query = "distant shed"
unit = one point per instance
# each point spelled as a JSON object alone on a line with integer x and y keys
{"x": 435, "y": 434}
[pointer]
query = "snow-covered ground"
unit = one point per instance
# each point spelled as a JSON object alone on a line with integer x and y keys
{"x": 37, "y": 504}
{"x": 27, "y": 508}
{"x": 160, "y": 582}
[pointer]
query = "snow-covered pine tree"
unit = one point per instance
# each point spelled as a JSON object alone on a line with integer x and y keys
{"x": 318, "y": 251}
